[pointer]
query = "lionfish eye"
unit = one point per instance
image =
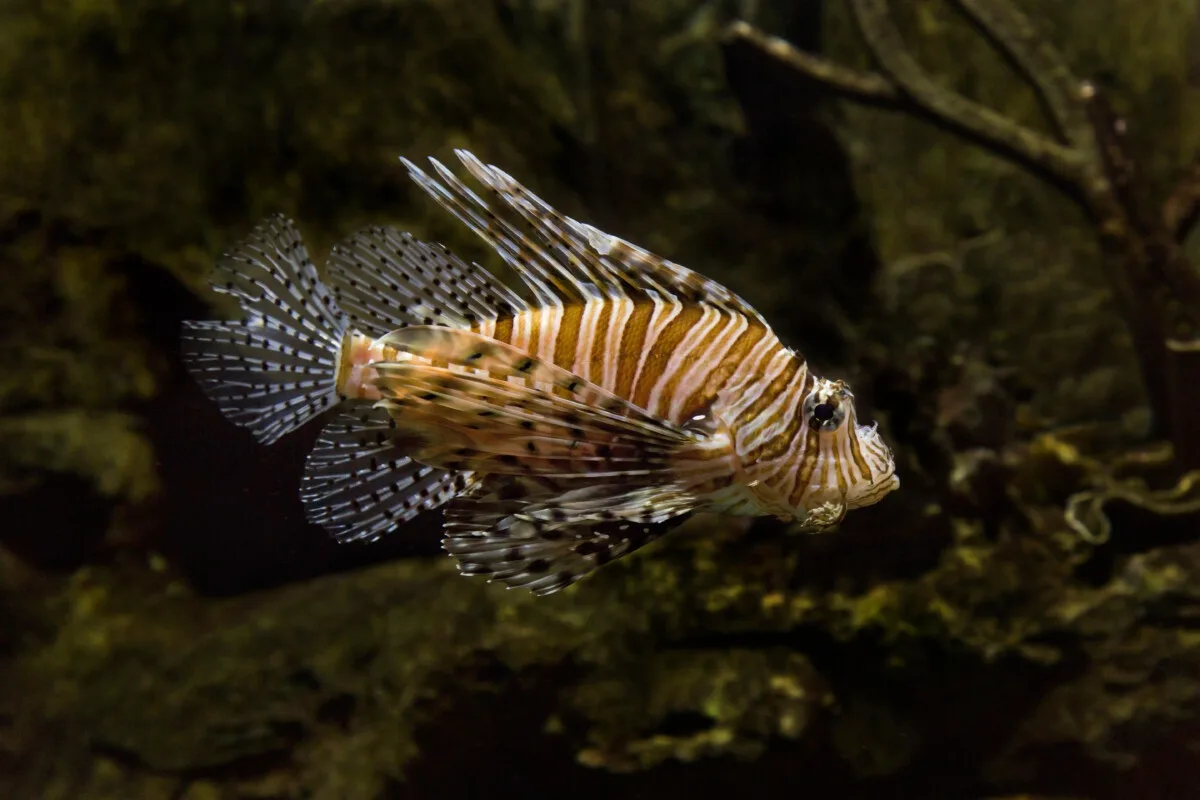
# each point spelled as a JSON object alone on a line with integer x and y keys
{"x": 824, "y": 416}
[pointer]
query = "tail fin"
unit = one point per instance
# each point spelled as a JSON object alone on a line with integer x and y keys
{"x": 276, "y": 368}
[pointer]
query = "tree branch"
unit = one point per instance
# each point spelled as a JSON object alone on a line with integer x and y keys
{"x": 1013, "y": 34}
{"x": 1157, "y": 289}
{"x": 982, "y": 123}
{"x": 868, "y": 87}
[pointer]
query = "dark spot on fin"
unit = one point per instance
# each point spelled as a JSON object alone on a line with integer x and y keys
{"x": 543, "y": 556}
{"x": 558, "y": 257}
{"x": 275, "y": 369}
{"x": 386, "y": 279}
{"x": 359, "y": 484}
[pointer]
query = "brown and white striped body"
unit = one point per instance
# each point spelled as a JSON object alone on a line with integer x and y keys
{"x": 688, "y": 363}
{"x": 559, "y": 428}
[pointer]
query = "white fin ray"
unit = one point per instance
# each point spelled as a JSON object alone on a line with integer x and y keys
{"x": 499, "y": 359}
{"x": 532, "y": 544}
{"x": 548, "y": 276}
{"x": 470, "y": 210}
{"x": 573, "y": 279}
{"x": 275, "y": 369}
{"x": 605, "y": 254}
{"x": 558, "y": 234}
{"x": 359, "y": 484}
{"x": 385, "y": 279}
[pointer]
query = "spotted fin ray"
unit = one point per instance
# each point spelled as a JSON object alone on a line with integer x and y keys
{"x": 385, "y": 279}
{"x": 276, "y": 368}
{"x": 359, "y": 484}
{"x": 607, "y": 502}
{"x": 486, "y": 355}
{"x": 517, "y": 414}
{"x": 579, "y": 259}
{"x": 479, "y": 423}
{"x": 543, "y": 544}
{"x": 539, "y": 274}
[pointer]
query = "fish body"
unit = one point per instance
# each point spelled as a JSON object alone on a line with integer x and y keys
{"x": 560, "y": 429}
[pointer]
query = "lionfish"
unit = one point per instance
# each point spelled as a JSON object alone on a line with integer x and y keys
{"x": 559, "y": 430}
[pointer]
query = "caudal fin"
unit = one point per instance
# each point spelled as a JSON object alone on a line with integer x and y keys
{"x": 275, "y": 368}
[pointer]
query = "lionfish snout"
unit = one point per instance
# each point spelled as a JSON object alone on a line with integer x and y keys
{"x": 853, "y": 467}
{"x": 879, "y": 477}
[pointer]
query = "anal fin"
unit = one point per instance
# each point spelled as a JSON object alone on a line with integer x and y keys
{"x": 508, "y": 541}
{"x": 359, "y": 484}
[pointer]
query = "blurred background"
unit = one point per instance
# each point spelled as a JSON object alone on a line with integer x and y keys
{"x": 170, "y": 626}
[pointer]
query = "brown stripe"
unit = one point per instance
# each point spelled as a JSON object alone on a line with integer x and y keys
{"x": 777, "y": 445}
{"x": 633, "y": 338}
{"x": 836, "y": 465}
{"x": 768, "y": 393}
{"x": 594, "y": 369}
{"x": 804, "y": 471}
{"x": 504, "y": 329}
{"x": 702, "y": 351}
{"x": 661, "y": 350}
{"x": 503, "y": 333}
{"x": 719, "y": 377}
{"x": 856, "y": 454}
{"x": 752, "y": 372}
{"x": 568, "y": 336}
{"x": 535, "y": 333}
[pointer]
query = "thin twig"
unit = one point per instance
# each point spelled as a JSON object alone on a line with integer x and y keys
{"x": 868, "y": 87}
{"x": 984, "y": 124}
{"x": 922, "y": 97}
{"x": 1013, "y": 34}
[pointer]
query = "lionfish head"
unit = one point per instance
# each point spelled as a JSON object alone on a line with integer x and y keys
{"x": 853, "y": 466}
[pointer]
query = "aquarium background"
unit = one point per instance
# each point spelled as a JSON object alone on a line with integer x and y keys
{"x": 1020, "y": 619}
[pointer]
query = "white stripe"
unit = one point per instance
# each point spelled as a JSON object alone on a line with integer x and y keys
{"x": 522, "y": 327}
{"x": 551, "y": 321}
{"x": 774, "y": 420}
{"x": 790, "y": 475}
{"x": 695, "y": 336}
{"x": 586, "y": 338}
{"x": 664, "y": 311}
{"x": 745, "y": 376}
{"x": 697, "y": 374}
{"x": 621, "y": 313}
{"x": 748, "y": 396}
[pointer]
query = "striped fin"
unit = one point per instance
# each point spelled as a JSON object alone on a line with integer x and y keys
{"x": 550, "y": 279}
{"x": 604, "y": 258}
{"x": 359, "y": 484}
{"x": 686, "y": 285}
{"x": 500, "y": 359}
{"x": 480, "y": 423}
{"x": 276, "y": 368}
{"x": 519, "y": 543}
{"x": 606, "y": 502}
{"x": 385, "y": 279}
